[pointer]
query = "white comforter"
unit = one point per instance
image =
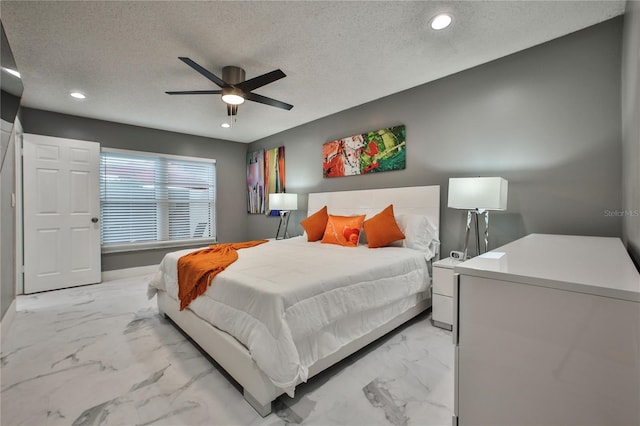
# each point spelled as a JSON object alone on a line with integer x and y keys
{"x": 291, "y": 302}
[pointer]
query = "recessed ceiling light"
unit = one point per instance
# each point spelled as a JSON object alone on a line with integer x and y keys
{"x": 77, "y": 95}
{"x": 12, "y": 72}
{"x": 225, "y": 125}
{"x": 441, "y": 21}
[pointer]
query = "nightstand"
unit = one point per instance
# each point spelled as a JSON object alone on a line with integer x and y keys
{"x": 442, "y": 302}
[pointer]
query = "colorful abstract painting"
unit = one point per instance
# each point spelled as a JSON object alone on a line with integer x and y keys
{"x": 255, "y": 182}
{"x": 371, "y": 152}
{"x": 274, "y": 175}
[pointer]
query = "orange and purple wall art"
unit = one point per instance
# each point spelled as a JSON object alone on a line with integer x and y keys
{"x": 265, "y": 175}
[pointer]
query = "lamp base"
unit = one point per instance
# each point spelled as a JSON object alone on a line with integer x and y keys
{"x": 472, "y": 215}
{"x": 284, "y": 219}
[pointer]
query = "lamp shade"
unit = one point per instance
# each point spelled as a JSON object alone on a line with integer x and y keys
{"x": 484, "y": 193}
{"x": 283, "y": 201}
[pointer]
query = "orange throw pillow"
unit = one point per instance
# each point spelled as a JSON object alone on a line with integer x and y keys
{"x": 343, "y": 230}
{"x": 382, "y": 229}
{"x": 315, "y": 224}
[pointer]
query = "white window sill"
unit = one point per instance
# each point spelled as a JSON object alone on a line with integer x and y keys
{"x": 152, "y": 245}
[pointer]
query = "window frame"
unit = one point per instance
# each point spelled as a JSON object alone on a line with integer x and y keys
{"x": 151, "y": 245}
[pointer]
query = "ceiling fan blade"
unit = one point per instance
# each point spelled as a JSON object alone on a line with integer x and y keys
{"x": 195, "y": 92}
{"x": 267, "y": 101}
{"x": 261, "y": 80}
{"x": 205, "y": 72}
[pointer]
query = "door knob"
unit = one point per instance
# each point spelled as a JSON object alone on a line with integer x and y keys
{"x": 94, "y": 219}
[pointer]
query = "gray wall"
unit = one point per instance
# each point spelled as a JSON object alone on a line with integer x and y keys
{"x": 10, "y": 92}
{"x": 7, "y": 229}
{"x": 547, "y": 119}
{"x": 230, "y": 158}
{"x": 9, "y": 105}
{"x": 631, "y": 130}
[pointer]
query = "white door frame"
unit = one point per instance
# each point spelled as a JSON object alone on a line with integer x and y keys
{"x": 19, "y": 221}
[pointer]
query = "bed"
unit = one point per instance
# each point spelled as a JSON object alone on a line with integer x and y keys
{"x": 288, "y": 309}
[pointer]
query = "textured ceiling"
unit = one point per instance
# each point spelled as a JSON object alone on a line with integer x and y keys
{"x": 124, "y": 55}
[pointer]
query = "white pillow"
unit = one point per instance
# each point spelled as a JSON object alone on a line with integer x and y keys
{"x": 420, "y": 234}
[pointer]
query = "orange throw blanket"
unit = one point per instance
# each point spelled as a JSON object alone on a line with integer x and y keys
{"x": 196, "y": 270}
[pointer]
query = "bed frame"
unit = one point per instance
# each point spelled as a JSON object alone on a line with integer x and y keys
{"x": 236, "y": 359}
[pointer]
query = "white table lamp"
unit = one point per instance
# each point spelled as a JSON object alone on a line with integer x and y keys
{"x": 285, "y": 202}
{"x": 477, "y": 195}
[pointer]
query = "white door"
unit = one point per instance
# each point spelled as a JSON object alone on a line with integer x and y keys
{"x": 61, "y": 213}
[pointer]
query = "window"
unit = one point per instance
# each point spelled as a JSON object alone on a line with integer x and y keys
{"x": 154, "y": 200}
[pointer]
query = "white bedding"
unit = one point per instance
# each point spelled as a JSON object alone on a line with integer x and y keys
{"x": 291, "y": 302}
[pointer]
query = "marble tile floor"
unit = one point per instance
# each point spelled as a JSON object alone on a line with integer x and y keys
{"x": 102, "y": 355}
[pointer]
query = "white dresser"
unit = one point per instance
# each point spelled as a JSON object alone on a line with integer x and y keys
{"x": 547, "y": 332}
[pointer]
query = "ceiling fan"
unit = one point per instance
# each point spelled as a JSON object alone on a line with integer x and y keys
{"x": 234, "y": 88}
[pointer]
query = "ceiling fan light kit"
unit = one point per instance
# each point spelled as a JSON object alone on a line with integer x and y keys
{"x": 234, "y": 88}
{"x": 232, "y": 96}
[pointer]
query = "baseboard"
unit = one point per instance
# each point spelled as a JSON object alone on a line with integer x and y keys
{"x": 118, "y": 274}
{"x": 6, "y": 321}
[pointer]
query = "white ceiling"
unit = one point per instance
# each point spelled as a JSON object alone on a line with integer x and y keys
{"x": 124, "y": 55}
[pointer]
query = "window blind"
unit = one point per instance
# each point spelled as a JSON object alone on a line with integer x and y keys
{"x": 147, "y": 197}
